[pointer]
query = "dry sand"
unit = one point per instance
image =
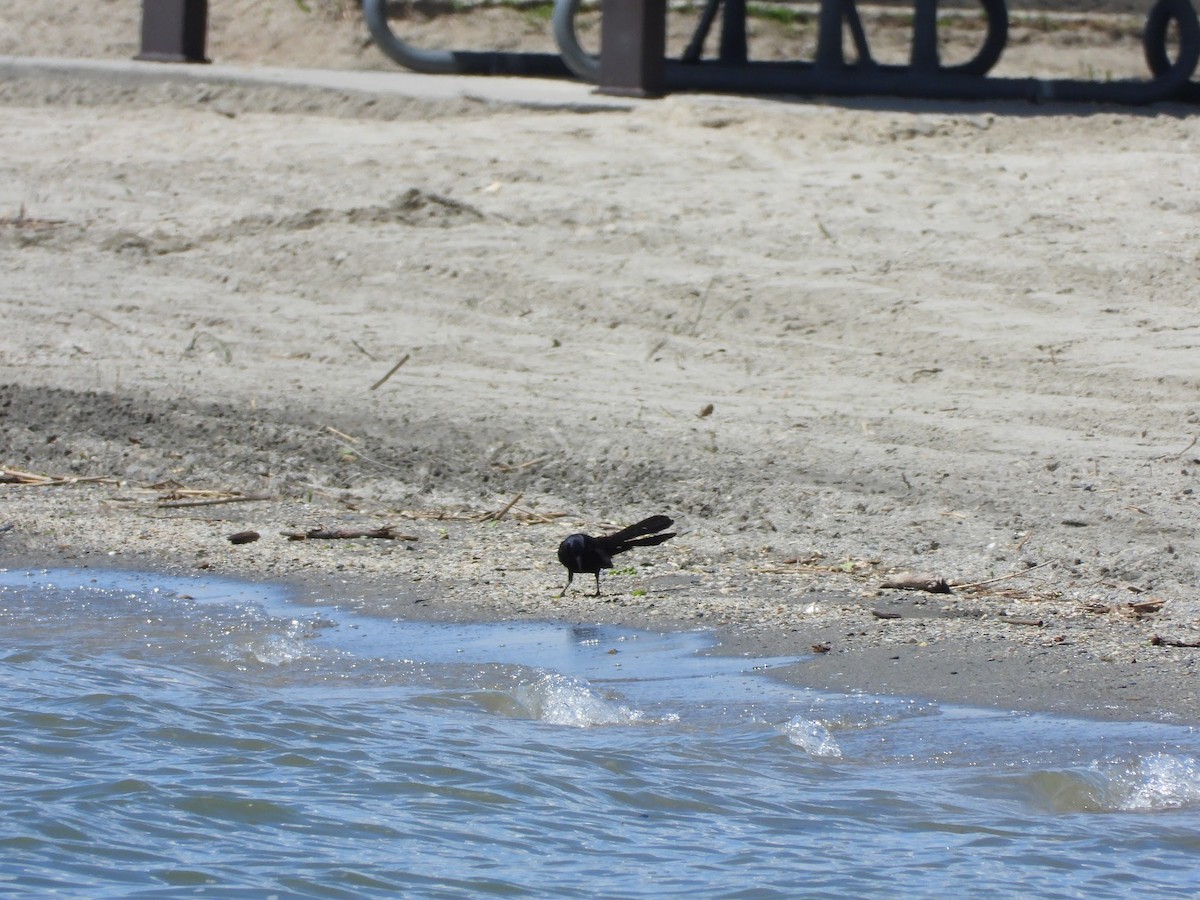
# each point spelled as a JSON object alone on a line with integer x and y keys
{"x": 947, "y": 339}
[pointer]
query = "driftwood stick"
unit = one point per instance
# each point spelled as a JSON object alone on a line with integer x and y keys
{"x": 917, "y": 581}
{"x": 501, "y": 513}
{"x": 1171, "y": 642}
{"x": 392, "y": 371}
{"x": 386, "y": 533}
{"x": 16, "y": 476}
{"x": 212, "y": 501}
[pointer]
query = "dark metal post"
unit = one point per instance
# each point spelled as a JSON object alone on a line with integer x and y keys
{"x": 733, "y": 32}
{"x": 633, "y": 44}
{"x": 829, "y": 36}
{"x": 925, "y": 37}
{"x": 174, "y": 30}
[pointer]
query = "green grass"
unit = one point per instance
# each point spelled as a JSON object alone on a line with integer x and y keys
{"x": 784, "y": 15}
{"x": 539, "y": 12}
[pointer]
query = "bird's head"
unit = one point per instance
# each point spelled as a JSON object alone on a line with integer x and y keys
{"x": 571, "y": 552}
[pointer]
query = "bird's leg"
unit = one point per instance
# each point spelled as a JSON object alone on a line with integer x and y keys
{"x": 597, "y": 584}
{"x": 570, "y": 576}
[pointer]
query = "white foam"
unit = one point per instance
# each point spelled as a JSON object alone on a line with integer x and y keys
{"x": 1161, "y": 781}
{"x": 563, "y": 700}
{"x": 811, "y": 736}
{"x": 275, "y": 648}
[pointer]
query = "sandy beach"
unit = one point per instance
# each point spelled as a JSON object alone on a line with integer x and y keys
{"x": 837, "y": 343}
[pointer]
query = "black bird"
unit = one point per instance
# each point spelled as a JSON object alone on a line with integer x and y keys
{"x": 584, "y": 553}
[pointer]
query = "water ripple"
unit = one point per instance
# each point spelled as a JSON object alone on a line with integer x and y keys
{"x": 167, "y": 737}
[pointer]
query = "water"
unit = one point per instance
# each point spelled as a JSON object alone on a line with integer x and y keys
{"x": 201, "y": 736}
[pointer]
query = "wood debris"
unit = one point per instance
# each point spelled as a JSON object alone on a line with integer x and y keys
{"x": 515, "y": 513}
{"x": 1171, "y": 642}
{"x": 390, "y": 372}
{"x": 184, "y": 499}
{"x": 23, "y": 220}
{"x": 973, "y": 585}
{"x": 1022, "y": 620}
{"x": 917, "y": 581}
{"x": 385, "y": 532}
{"x": 518, "y": 467}
{"x": 1135, "y": 608}
{"x": 503, "y": 511}
{"x": 16, "y": 476}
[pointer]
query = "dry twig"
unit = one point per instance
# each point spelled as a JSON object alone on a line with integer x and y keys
{"x": 519, "y": 514}
{"x": 503, "y": 511}
{"x": 392, "y": 371}
{"x": 386, "y": 532}
{"x": 341, "y": 435}
{"x": 1137, "y": 609}
{"x": 1022, "y": 620}
{"x": 1170, "y": 456}
{"x": 508, "y": 467}
{"x": 16, "y": 476}
{"x": 212, "y": 501}
{"x": 1171, "y": 642}
{"x": 978, "y": 584}
{"x": 917, "y": 581}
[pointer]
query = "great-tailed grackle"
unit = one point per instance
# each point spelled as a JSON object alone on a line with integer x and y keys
{"x": 584, "y": 553}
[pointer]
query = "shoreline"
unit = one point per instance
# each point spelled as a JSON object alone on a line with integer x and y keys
{"x": 838, "y": 643}
{"x": 835, "y": 344}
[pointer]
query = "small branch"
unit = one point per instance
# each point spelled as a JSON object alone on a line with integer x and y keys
{"x": 106, "y": 321}
{"x": 212, "y": 501}
{"x": 508, "y": 467}
{"x": 1138, "y": 609}
{"x": 363, "y": 350}
{"x": 1170, "y": 642}
{"x": 500, "y": 514}
{"x": 1181, "y": 452}
{"x": 446, "y": 515}
{"x": 1022, "y": 620}
{"x": 917, "y": 581}
{"x": 975, "y": 584}
{"x": 341, "y": 435}
{"x": 386, "y": 533}
{"x": 15, "y": 476}
{"x": 527, "y": 515}
{"x": 392, "y": 371}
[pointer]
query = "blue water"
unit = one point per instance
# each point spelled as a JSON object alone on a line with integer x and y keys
{"x": 171, "y": 737}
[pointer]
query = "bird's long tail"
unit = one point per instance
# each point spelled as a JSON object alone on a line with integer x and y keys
{"x": 633, "y": 535}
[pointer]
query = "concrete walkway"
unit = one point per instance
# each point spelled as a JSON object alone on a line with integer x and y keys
{"x": 529, "y": 92}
